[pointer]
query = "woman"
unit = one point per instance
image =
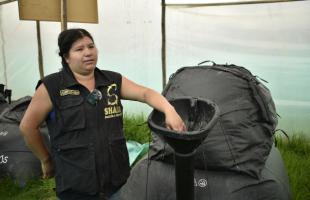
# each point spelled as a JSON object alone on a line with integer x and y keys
{"x": 82, "y": 108}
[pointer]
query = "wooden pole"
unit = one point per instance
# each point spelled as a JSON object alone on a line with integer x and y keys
{"x": 40, "y": 57}
{"x": 163, "y": 40}
{"x": 63, "y": 14}
{"x": 228, "y": 3}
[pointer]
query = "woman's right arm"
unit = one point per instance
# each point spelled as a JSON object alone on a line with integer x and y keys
{"x": 34, "y": 116}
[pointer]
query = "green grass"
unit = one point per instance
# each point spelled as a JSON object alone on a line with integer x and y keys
{"x": 36, "y": 189}
{"x": 136, "y": 128}
{"x": 295, "y": 152}
{"x": 296, "y": 155}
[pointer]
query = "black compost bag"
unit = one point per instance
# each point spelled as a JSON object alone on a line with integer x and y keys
{"x": 16, "y": 159}
{"x": 155, "y": 180}
{"x": 242, "y": 138}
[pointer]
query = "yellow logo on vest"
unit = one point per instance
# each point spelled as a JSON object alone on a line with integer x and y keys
{"x": 113, "y": 109}
{"x": 111, "y": 94}
{"x": 69, "y": 92}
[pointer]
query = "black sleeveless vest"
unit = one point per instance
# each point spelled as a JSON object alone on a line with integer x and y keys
{"x": 87, "y": 140}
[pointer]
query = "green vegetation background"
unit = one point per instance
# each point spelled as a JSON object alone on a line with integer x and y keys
{"x": 295, "y": 152}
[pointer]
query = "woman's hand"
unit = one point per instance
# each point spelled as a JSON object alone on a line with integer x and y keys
{"x": 174, "y": 121}
{"x": 47, "y": 168}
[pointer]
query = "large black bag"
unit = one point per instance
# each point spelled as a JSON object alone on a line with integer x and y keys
{"x": 16, "y": 159}
{"x": 155, "y": 180}
{"x": 242, "y": 138}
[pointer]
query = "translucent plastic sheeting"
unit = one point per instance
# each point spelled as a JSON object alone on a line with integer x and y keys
{"x": 271, "y": 40}
{"x": 127, "y": 37}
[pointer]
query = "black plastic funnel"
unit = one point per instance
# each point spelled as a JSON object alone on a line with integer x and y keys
{"x": 199, "y": 116}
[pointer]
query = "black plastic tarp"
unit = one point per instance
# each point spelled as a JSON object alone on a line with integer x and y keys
{"x": 243, "y": 135}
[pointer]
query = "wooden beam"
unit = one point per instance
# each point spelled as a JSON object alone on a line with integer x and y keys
{"x": 40, "y": 55}
{"x": 163, "y": 41}
{"x": 229, "y": 3}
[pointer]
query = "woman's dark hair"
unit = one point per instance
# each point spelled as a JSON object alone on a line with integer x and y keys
{"x": 67, "y": 38}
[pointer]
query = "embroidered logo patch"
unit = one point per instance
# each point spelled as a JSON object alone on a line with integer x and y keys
{"x": 69, "y": 92}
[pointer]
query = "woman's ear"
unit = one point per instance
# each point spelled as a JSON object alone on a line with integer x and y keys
{"x": 66, "y": 59}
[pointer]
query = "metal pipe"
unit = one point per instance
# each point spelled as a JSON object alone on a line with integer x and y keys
{"x": 184, "y": 176}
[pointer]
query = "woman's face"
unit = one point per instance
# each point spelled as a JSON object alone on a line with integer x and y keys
{"x": 82, "y": 57}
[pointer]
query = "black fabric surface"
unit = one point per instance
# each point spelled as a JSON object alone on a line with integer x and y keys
{"x": 242, "y": 138}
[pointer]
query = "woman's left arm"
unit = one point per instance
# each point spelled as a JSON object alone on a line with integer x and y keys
{"x": 133, "y": 91}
